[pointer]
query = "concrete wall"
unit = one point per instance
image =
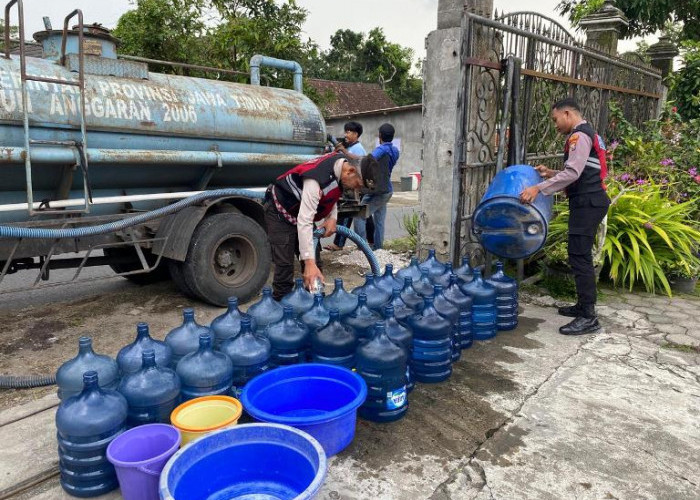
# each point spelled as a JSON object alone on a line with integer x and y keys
{"x": 408, "y": 124}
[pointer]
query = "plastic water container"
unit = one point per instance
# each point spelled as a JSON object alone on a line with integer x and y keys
{"x": 139, "y": 455}
{"x": 316, "y": 317}
{"x": 130, "y": 357}
{"x": 431, "y": 359}
{"x": 506, "y": 298}
{"x": 410, "y": 297}
{"x": 444, "y": 278}
{"x": 205, "y": 372}
{"x": 251, "y": 461}
{"x": 411, "y": 271}
{"x": 86, "y": 424}
{"x": 388, "y": 281}
{"x": 483, "y": 307}
{"x": 400, "y": 310}
{"x": 228, "y": 325}
{"x": 402, "y": 335}
{"x": 376, "y": 297}
{"x": 465, "y": 271}
{"x": 464, "y": 329}
{"x": 152, "y": 393}
{"x": 340, "y": 299}
{"x": 451, "y": 312}
{"x": 334, "y": 344}
{"x": 185, "y": 338}
{"x": 362, "y": 319}
{"x": 316, "y": 398}
{"x": 200, "y": 416}
{"x": 432, "y": 264}
{"x": 505, "y": 226}
{"x": 382, "y": 363}
{"x": 299, "y": 298}
{"x": 423, "y": 287}
{"x": 69, "y": 376}
{"x": 454, "y": 294}
{"x": 250, "y": 355}
{"x": 289, "y": 340}
{"x": 266, "y": 311}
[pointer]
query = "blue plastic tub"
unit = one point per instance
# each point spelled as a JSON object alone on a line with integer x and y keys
{"x": 251, "y": 461}
{"x": 316, "y": 398}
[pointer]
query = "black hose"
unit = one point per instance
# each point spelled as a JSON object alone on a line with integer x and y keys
{"x": 26, "y": 381}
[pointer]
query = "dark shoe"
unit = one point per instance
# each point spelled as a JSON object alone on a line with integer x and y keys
{"x": 580, "y": 326}
{"x": 570, "y": 311}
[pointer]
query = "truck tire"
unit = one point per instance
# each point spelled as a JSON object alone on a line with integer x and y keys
{"x": 175, "y": 269}
{"x": 160, "y": 273}
{"x": 228, "y": 256}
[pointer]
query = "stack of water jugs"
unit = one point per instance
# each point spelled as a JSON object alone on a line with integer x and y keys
{"x": 394, "y": 330}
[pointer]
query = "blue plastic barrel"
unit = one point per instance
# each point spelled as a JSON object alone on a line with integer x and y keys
{"x": 316, "y": 398}
{"x": 505, "y": 226}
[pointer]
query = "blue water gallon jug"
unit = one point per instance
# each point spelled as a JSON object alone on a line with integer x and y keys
{"x": 266, "y": 311}
{"x": 69, "y": 376}
{"x": 152, "y": 392}
{"x": 130, "y": 357}
{"x": 401, "y": 334}
{"x": 228, "y": 324}
{"x": 289, "y": 340}
{"x": 340, "y": 299}
{"x": 376, "y": 297}
{"x": 444, "y": 278}
{"x": 362, "y": 319}
{"x": 205, "y": 372}
{"x": 400, "y": 310}
{"x": 184, "y": 339}
{"x": 451, "y": 312}
{"x": 335, "y": 343}
{"x": 250, "y": 355}
{"x": 505, "y": 226}
{"x": 382, "y": 364}
{"x": 411, "y": 271}
{"x": 423, "y": 287}
{"x": 388, "y": 281}
{"x": 431, "y": 358}
{"x": 86, "y": 424}
{"x": 409, "y": 295}
{"x": 432, "y": 264}
{"x": 483, "y": 307}
{"x": 464, "y": 329}
{"x": 299, "y": 298}
{"x": 506, "y": 298}
{"x": 316, "y": 317}
{"x": 465, "y": 273}
{"x": 454, "y": 294}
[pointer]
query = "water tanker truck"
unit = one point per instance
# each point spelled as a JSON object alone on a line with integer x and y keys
{"x": 87, "y": 138}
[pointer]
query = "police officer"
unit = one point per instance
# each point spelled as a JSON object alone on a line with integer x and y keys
{"x": 304, "y": 195}
{"x": 582, "y": 179}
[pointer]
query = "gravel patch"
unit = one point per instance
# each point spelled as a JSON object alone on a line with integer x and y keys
{"x": 357, "y": 258}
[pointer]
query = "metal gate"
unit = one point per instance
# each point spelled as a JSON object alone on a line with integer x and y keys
{"x": 514, "y": 67}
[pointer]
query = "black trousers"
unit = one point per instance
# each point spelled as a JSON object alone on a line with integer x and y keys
{"x": 586, "y": 212}
{"x": 284, "y": 246}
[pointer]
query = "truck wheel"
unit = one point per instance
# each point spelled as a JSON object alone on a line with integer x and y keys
{"x": 132, "y": 263}
{"x": 228, "y": 256}
{"x": 175, "y": 269}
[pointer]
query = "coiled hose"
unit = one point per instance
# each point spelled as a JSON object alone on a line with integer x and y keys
{"x": 29, "y": 381}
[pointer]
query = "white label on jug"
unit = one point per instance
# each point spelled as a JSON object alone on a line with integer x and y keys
{"x": 396, "y": 399}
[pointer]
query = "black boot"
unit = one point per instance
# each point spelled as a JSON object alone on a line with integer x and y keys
{"x": 570, "y": 311}
{"x": 580, "y": 326}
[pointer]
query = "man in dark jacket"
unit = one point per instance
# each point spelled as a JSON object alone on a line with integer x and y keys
{"x": 582, "y": 179}
{"x": 306, "y": 194}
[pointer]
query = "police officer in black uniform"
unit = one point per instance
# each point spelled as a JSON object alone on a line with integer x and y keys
{"x": 582, "y": 178}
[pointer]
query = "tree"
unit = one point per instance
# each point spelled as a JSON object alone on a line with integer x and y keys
{"x": 645, "y": 16}
{"x": 685, "y": 83}
{"x": 14, "y": 32}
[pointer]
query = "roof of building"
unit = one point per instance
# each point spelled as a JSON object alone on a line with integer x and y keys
{"x": 351, "y": 97}
{"x": 31, "y": 49}
{"x": 383, "y": 111}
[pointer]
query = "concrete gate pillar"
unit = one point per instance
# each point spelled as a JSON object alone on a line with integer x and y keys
{"x": 604, "y": 26}
{"x": 662, "y": 54}
{"x": 441, "y": 73}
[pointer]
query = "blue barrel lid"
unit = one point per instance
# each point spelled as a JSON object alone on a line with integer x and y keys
{"x": 505, "y": 226}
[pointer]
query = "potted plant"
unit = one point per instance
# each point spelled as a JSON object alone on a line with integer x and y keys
{"x": 682, "y": 275}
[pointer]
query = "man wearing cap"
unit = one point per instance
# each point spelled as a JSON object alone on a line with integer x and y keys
{"x": 306, "y": 194}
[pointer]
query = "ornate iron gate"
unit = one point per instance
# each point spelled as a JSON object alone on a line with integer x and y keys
{"x": 513, "y": 69}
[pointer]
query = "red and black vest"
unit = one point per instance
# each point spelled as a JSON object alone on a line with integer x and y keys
{"x": 596, "y": 169}
{"x": 288, "y": 186}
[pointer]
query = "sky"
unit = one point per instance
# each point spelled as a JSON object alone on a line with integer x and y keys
{"x": 406, "y": 22}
